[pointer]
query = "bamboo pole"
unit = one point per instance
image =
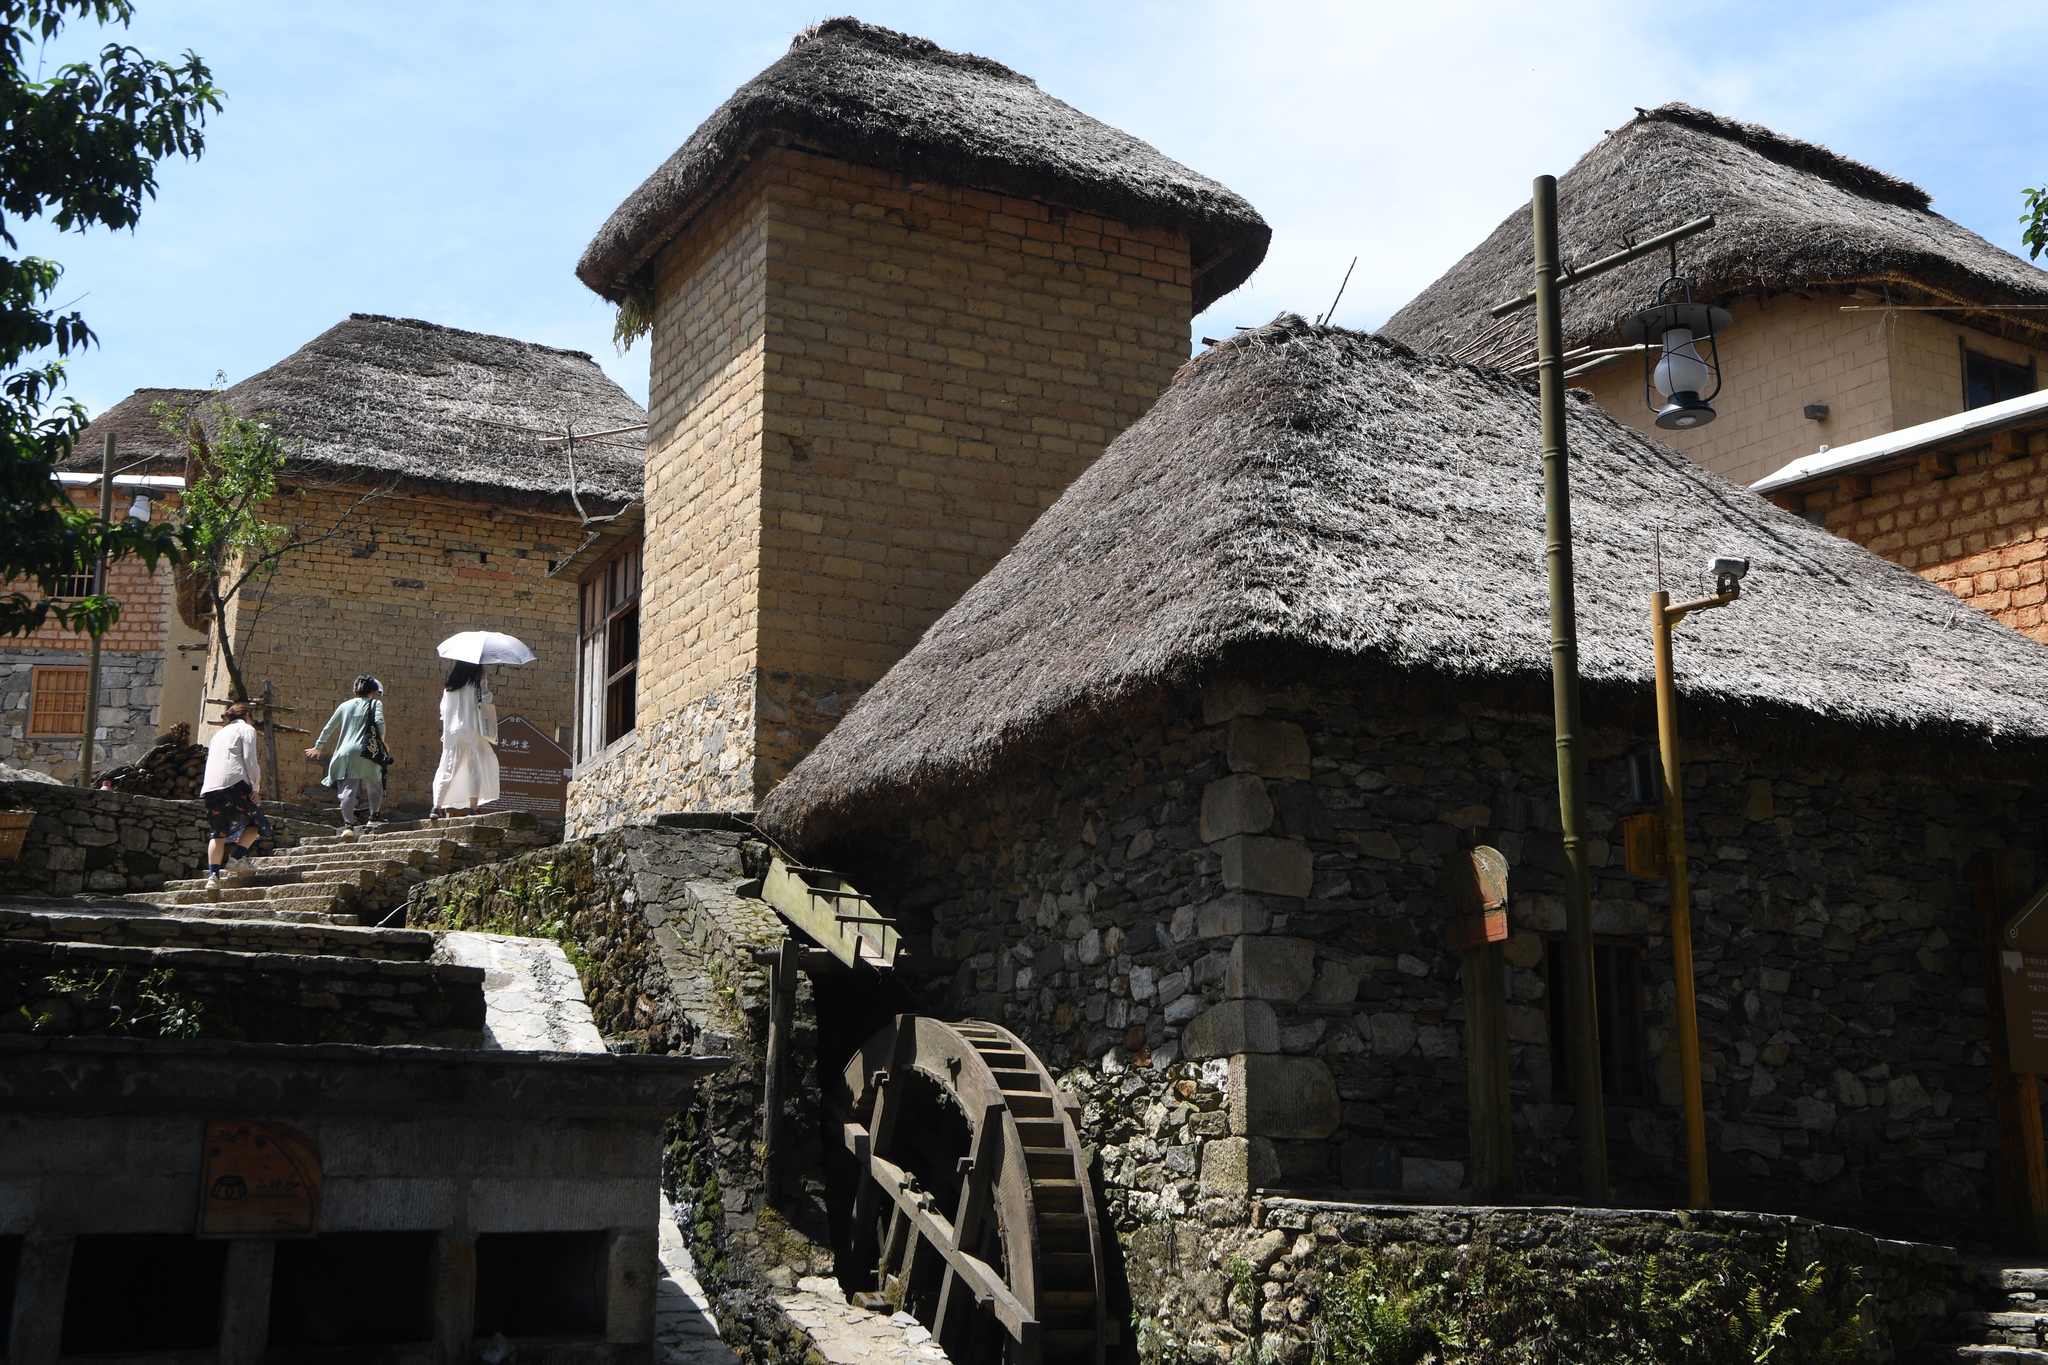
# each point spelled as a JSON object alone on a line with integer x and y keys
{"x": 99, "y": 586}
{"x": 1582, "y": 1021}
{"x": 1662, "y": 620}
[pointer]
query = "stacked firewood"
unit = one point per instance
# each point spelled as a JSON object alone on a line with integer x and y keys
{"x": 171, "y": 769}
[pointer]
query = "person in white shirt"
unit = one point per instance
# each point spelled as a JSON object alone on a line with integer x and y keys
{"x": 233, "y": 792}
{"x": 468, "y": 774}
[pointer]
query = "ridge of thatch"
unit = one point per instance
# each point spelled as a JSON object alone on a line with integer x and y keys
{"x": 875, "y": 97}
{"x": 1789, "y": 215}
{"x": 138, "y": 433}
{"x": 377, "y": 398}
{"x": 1313, "y": 489}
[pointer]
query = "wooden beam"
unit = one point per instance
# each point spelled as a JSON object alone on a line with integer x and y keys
{"x": 2009, "y": 445}
{"x": 2018, "y": 1096}
{"x": 832, "y": 912}
{"x": 880, "y": 1134}
{"x": 1850, "y": 487}
{"x": 967, "y": 1220}
{"x": 775, "y": 1066}
{"x": 1937, "y": 464}
{"x": 887, "y": 1177}
{"x": 1486, "y": 1072}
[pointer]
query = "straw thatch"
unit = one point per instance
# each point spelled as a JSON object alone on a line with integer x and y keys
{"x": 1789, "y": 215}
{"x": 879, "y": 98}
{"x": 379, "y": 398}
{"x": 138, "y": 433}
{"x": 1338, "y": 495}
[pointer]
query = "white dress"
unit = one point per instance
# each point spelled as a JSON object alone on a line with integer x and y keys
{"x": 469, "y": 765}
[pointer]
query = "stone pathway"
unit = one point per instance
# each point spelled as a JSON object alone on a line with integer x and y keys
{"x": 846, "y": 1335}
{"x": 533, "y": 1001}
{"x": 685, "y": 1332}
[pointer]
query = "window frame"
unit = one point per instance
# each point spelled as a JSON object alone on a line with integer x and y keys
{"x": 1974, "y": 356}
{"x": 608, "y": 649}
{"x": 39, "y": 679}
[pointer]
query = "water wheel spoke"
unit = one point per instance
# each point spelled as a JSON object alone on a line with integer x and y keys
{"x": 964, "y": 1118}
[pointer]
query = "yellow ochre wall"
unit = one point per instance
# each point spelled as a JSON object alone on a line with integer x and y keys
{"x": 405, "y": 572}
{"x": 1876, "y": 371}
{"x": 863, "y": 390}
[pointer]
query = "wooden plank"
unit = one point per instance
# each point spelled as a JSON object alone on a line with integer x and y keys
{"x": 835, "y": 915}
{"x": 2018, "y": 1096}
{"x": 889, "y": 1178}
{"x": 967, "y": 1220}
{"x": 881, "y": 1132}
{"x": 775, "y": 1066}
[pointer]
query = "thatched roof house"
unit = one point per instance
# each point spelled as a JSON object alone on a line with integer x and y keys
{"x": 1790, "y": 215}
{"x": 878, "y": 98}
{"x": 1339, "y": 494}
{"x": 377, "y": 398}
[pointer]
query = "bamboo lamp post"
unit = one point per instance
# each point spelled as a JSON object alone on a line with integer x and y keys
{"x": 1581, "y": 1009}
{"x": 1664, "y": 617}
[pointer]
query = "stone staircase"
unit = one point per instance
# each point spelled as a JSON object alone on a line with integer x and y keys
{"x": 356, "y": 876}
{"x": 2007, "y": 1324}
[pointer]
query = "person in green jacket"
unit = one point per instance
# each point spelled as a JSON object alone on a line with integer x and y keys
{"x": 347, "y": 736}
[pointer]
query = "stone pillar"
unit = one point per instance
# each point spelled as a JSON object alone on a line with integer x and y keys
{"x": 39, "y": 1284}
{"x": 245, "y": 1301}
{"x": 632, "y": 1272}
{"x": 454, "y": 1294}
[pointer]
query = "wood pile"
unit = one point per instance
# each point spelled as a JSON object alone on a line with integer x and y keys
{"x": 172, "y": 769}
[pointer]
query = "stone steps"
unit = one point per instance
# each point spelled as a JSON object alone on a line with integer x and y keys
{"x": 2006, "y": 1328}
{"x": 248, "y": 935}
{"x": 2008, "y": 1325}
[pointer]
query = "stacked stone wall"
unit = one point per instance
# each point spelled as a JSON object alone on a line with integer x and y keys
{"x": 131, "y": 689}
{"x": 1222, "y": 916}
{"x": 112, "y": 842}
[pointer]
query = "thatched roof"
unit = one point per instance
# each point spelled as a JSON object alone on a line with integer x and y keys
{"x": 880, "y": 98}
{"x": 1789, "y": 215}
{"x": 1335, "y": 493}
{"x": 138, "y": 433}
{"x": 379, "y": 398}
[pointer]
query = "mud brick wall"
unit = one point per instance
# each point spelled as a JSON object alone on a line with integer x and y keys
{"x": 1222, "y": 914}
{"x": 864, "y": 389}
{"x": 401, "y": 574}
{"x": 112, "y": 842}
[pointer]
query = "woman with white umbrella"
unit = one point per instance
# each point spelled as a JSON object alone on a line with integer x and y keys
{"x": 468, "y": 775}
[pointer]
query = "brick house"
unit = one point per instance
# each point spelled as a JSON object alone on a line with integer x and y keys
{"x": 1958, "y": 500}
{"x": 1800, "y": 233}
{"x": 898, "y": 298}
{"x": 1172, "y": 786}
{"x": 431, "y": 503}
{"x": 143, "y": 673}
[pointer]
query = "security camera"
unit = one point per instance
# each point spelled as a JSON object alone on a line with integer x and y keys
{"x": 1726, "y": 566}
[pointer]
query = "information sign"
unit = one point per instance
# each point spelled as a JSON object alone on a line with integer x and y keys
{"x": 258, "y": 1180}
{"x": 533, "y": 770}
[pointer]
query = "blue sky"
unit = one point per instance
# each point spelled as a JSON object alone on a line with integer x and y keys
{"x": 449, "y": 161}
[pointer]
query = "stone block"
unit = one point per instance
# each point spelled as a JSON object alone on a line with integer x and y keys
{"x": 1426, "y": 1174}
{"x": 1236, "y": 804}
{"x": 1279, "y": 867}
{"x": 1237, "y": 1166}
{"x": 1282, "y": 1097}
{"x": 1302, "y": 814}
{"x": 1370, "y": 1165}
{"x": 1229, "y": 699}
{"x": 1264, "y": 968}
{"x": 1336, "y": 984}
{"x": 1271, "y": 748}
{"x": 1229, "y": 916}
{"x": 1231, "y": 1027}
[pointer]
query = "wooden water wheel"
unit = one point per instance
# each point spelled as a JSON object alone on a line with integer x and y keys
{"x": 974, "y": 1205}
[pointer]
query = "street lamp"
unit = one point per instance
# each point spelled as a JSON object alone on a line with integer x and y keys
{"x": 1728, "y": 574}
{"x": 1671, "y": 330}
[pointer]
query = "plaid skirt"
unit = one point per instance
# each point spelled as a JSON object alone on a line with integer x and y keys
{"x": 231, "y": 810}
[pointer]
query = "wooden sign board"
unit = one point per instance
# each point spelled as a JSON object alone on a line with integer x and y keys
{"x": 1475, "y": 887}
{"x": 258, "y": 1180}
{"x": 533, "y": 770}
{"x": 1645, "y": 850}
{"x": 2023, "y": 972}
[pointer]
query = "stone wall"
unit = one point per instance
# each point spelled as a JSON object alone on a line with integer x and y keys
{"x": 1225, "y": 908}
{"x": 113, "y": 842}
{"x": 1604, "y": 1284}
{"x": 131, "y": 687}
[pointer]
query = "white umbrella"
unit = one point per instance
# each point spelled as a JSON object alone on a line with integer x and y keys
{"x": 485, "y": 647}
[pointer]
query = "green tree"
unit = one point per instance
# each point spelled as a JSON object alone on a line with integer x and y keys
{"x": 2034, "y": 222}
{"x": 79, "y": 148}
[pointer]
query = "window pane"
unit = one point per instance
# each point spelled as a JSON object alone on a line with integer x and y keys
{"x": 57, "y": 706}
{"x": 1987, "y": 379}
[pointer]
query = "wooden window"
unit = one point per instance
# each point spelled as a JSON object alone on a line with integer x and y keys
{"x": 608, "y": 672}
{"x": 1618, "y": 1002}
{"x": 57, "y": 702}
{"x": 1987, "y": 379}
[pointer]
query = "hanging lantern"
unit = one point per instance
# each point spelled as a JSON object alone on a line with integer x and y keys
{"x": 1672, "y": 331}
